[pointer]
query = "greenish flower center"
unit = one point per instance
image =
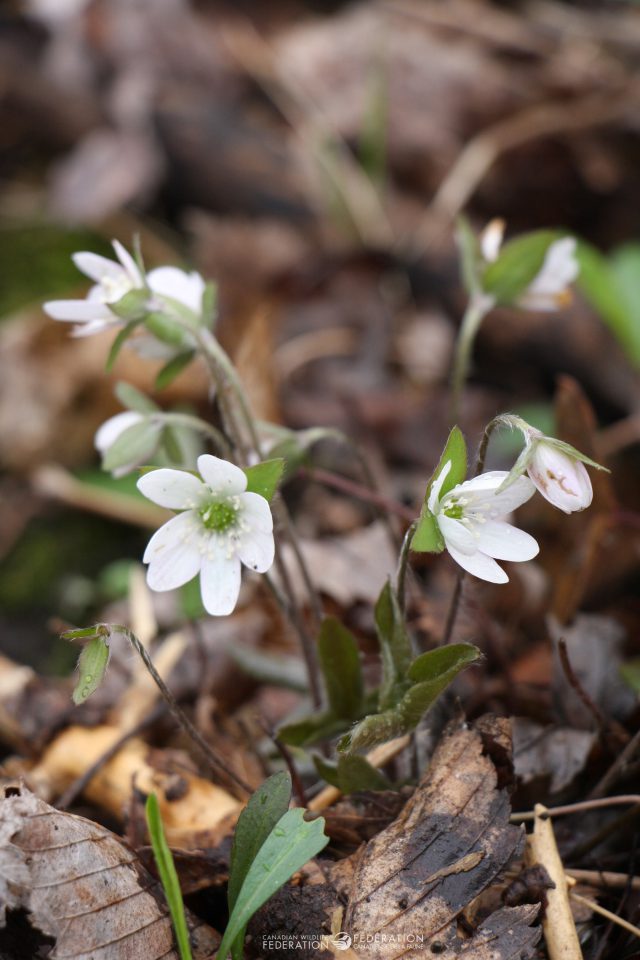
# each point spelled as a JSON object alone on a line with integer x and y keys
{"x": 219, "y": 515}
{"x": 454, "y": 510}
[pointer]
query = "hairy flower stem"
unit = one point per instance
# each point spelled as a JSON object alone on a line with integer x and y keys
{"x": 217, "y": 764}
{"x": 403, "y": 565}
{"x": 225, "y": 377}
{"x": 473, "y": 317}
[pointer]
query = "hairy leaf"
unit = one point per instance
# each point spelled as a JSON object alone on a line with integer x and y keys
{"x": 263, "y": 478}
{"x": 427, "y": 538}
{"x": 395, "y": 647}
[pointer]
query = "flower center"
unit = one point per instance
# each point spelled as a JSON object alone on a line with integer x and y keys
{"x": 219, "y": 516}
{"x": 454, "y": 510}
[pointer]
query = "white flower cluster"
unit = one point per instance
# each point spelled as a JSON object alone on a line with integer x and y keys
{"x": 113, "y": 280}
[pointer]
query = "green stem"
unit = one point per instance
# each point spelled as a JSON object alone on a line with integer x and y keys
{"x": 473, "y": 317}
{"x": 201, "y": 426}
{"x": 403, "y": 564}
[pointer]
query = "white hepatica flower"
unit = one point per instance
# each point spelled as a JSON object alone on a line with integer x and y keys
{"x": 560, "y": 478}
{"x": 113, "y": 280}
{"x": 471, "y": 520}
{"x": 549, "y": 289}
{"x": 221, "y": 527}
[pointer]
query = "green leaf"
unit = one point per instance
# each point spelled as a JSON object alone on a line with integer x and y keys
{"x": 133, "y": 399}
{"x": 173, "y": 369}
{"x": 119, "y": 342}
{"x": 266, "y": 806}
{"x": 92, "y": 666}
{"x": 318, "y": 726}
{"x": 263, "y": 478}
{"x": 470, "y": 255}
{"x": 427, "y": 538}
{"x": 168, "y": 876}
{"x": 395, "y": 647}
{"x": 133, "y": 306}
{"x": 612, "y": 286}
{"x": 351, "y": 774}
{"x": 340, "y": 664}
{"x": 431, "y": 672}
{"x": 134, "y": 445}
{"x": 292, "y": 842}
{"x": 519, "y": 262}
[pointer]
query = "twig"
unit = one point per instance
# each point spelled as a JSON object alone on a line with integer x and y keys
{"x": 629, "y": 799}
{"x": 559, "y": 928}
{"x": 216, "y": 762}
{"x": 605, "y": 913}
{"x": 357, "y": 490}
{"x": 604, "y": 878}
{"x": 82, "y": 782}
{"x": 604, "y": 724}
{"x": 454, "y": 606}
{"x": 617, "y": 769}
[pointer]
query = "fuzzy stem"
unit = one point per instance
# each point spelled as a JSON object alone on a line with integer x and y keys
{"x": 473, "y": 317}
{"x": 216, "y": 762}
{"x": 403, "y": 564}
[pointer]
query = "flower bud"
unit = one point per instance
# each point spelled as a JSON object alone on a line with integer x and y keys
{"x": 559, "y": 477}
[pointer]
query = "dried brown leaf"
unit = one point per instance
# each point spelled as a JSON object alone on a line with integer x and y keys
{"x": 452, "y": 840}
{"x": 80, "y": 885}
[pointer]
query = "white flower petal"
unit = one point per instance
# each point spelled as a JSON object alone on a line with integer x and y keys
{"x": 221, "y": 476}
{"x": 187, "y": 288}
{"x": 506, "y": 542}
{"x": 256, "y": 512}
{"x": 94, "y": 326}
{"x": 549, "y": 289}
{"x": 456, "y": 534}
{"x": 111, "y": 429}
{"x": 561, "y": 480}
{"x": 77, "y": 310}
{"x": 483, "y": 499}
{"x": 173, "y": 553}
{"x": 96, "y": 267}
{"x": 436, "y": 486}
{"x": 256, "y": 550}
{"x": 220, "y": 582}
{"x": 174, "y": 489}
{"x": 479, "y": 565}
{"x": 491, "y": 240}
{"x": 129, "y": 264}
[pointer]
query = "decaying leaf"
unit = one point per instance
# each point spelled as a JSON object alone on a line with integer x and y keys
{"x": 451, "y": 841}
{"x": 82, "y": 886}
{"x": 559, "y": 753}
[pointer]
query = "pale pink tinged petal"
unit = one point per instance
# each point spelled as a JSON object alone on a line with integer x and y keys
{"x": 256, "y": 550}
{"x": 96, "y": 267}
{"x": 129, "y": 264}
{"x": 436, "y": 486}
{"x": 174, "y": 489}
{"x": 479, "y": 565}
{"x": 456, "y": 534}
{"x": 111, "y": 429}
{"x": 502, "y": 541}
{"x": 491, "y": 240}
{"x": 187, "y": 288}
{"x": 220, "y": 582}
{"x": 565, "y": 483}
{"x": 75, "y": 311}
{"x": 256, "y": 512}
{"x": 221, "y": 476}
{"x": 173, "y": 554}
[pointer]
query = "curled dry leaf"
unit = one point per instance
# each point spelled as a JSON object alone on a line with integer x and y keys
{"x": 452, "y": 840}
{"x": 82, "y": 886}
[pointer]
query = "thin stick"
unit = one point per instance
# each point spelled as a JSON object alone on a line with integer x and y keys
{"x": 217, "y": 763}
{"x": 358, "y": 491}
{"x": 605, "y": 913}
{"x": 454, "y": 606}
{"x": 629, "y": 799}
{"x": 604, "y": 878}
{"x": 617, "y": 769}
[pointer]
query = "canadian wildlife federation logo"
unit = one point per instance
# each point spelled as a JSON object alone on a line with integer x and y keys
{"x": 340, "y": 941}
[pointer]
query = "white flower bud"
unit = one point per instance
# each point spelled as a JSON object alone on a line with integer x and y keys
{"x": 559, "y": 477}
